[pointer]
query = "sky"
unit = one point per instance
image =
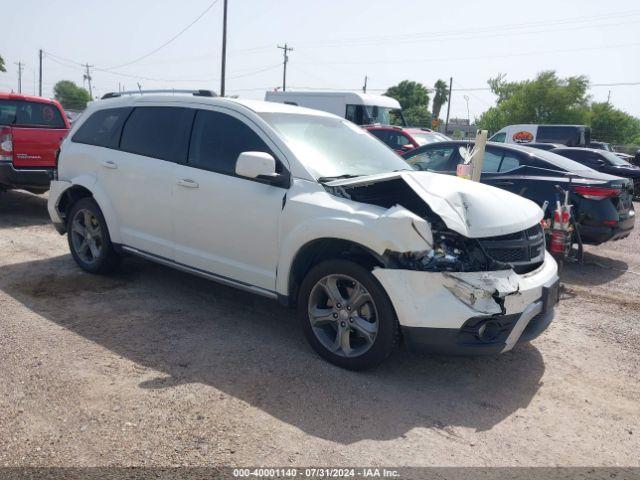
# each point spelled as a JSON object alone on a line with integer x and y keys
{"x": 336, "y": 44}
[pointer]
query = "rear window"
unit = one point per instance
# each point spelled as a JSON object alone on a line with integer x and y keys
{"x": 23, "y": 113}
{"x": 103, "y": 128}
{"x": 158, "y": 132}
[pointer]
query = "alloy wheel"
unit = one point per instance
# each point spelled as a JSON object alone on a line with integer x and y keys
{"x": 343, "y": 315}
{"x": 86, "y": 236}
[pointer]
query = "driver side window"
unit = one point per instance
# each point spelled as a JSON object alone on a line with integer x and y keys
{"x": 437, "y": 159}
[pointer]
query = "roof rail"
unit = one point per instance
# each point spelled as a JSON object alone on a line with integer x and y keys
{"x": 195, "y": 93}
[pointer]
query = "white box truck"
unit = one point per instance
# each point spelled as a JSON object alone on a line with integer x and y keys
{"x": 360, "y": 108}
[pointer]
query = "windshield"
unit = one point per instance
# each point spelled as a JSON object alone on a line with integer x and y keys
{"x": 613, "y": 159}
{"x": 383, "y": 115}
{"x": 331, "y": 147}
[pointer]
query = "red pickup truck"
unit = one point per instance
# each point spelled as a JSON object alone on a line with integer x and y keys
{"x": 31, "y": 129}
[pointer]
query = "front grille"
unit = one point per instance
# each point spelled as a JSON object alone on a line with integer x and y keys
{"x": 523, "y": 250}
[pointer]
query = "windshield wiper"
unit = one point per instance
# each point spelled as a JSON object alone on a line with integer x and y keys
{"x": 337, "y": 177}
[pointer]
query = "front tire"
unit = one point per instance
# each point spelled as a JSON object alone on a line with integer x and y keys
{"x": 89, "y": 239}
{"x": 346, "y": 315}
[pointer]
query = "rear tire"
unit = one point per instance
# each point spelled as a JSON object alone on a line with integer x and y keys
{"x": 346, "y": 315}
{"x": 88, "y": 237}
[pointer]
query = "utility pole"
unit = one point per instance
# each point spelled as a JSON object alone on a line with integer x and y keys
{"x": 87, "y": 77}
{"x": 224, "y": 49}
{"x": 20, "y": 67}
{"x": 446, "y": 123}
{"x": 285, "y": 50}
{"x": 609, "y": 97}
{"x": 364, "y": 87}
{"x": 40, "y": 76}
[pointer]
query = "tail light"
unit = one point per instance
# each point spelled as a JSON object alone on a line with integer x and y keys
{"x": 6, "y": 144}
{"x": 596, "y": 193}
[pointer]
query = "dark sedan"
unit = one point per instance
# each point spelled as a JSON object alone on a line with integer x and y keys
{"x": 603, "y": 161}
{"x": 603, "y": 204}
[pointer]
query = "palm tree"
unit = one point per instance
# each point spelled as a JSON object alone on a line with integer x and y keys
{"x": 440, "y": 98}
{"x": 2, "y": 69}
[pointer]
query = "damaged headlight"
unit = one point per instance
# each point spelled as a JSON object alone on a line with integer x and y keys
{"x": 451, "y": 253}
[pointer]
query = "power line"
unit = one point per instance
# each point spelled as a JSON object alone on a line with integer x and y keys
{"x": 477, "y": 57}
{"x": 473, "y": 33}
{"x": 168, "y": 41}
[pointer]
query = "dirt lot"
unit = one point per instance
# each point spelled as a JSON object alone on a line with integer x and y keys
{"x": 155, "y": 367}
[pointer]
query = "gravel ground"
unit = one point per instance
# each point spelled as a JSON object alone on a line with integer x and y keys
{"x": 154, "y": 367}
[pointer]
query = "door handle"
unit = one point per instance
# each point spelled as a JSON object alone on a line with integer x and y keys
{"x": 109, "y": 164}
{"x": 504, "y": 183}
{"x": 187, "y": 182}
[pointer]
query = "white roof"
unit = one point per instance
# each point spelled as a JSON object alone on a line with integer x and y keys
{"x": 258, "y": 106}
{"x": 356, "y": 98}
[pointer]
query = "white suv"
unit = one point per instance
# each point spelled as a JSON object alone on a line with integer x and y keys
{"x": 309, "y": 209}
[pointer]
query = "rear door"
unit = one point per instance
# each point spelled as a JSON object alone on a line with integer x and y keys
{"x": 37, "y": 129}
{"x": 139, "y": 178}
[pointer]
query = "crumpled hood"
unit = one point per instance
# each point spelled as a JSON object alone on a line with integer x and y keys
{"x": 470, "y": 208}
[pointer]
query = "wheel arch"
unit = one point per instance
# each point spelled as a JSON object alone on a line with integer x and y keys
{"x": 321, "y": 249}
{"x": 86, "y": 186}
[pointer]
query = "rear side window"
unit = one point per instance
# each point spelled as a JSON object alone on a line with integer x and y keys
{"x": 22, "y": 113}
{"x": 102, "y": 128}
{"x": 218, "y": 139}
{"x": 158, "y": 132}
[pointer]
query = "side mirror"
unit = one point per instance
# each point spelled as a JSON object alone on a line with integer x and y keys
{"x": 255, "y": 165}
{"x": 407, "y": 147}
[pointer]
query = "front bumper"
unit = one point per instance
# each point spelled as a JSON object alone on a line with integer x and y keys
{"x": 31, "y": 179}
{"x": 472, "y": 312}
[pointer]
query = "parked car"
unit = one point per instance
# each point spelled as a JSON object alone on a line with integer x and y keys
{"x": 603, "y": 161}
{"x": 607, "y": 147}
{"x": 307, "y": 208}
{"x": 360, "y": 108}
{"x": 603, "y": 204}
{"x": 31, "y": 129}
{"x": 404, "y": 139}
{"x": 570, "y": 135}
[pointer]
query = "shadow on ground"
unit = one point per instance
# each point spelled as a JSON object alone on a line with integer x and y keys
{"x": 595, "y": 270}
{"x": 193, "y": 330}
{"x": 20, "y": 209}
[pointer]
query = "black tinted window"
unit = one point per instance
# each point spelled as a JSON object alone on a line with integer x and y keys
{"x": 218, "y": 139}
{"x": 103, "y": 128}
{"x": 30, "y": 114}
{"x": 158, "y": 132}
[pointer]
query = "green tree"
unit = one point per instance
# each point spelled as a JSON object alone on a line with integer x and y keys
{"x": 409, "y": 94}
{"x": 608, "y": 124}
{"x": 545, "y": 99}
{"x": 2, "y": 67}
{"x": 418, "y": 116}
{"x": 70, "y": 95}
{"x": 440, "y": 97}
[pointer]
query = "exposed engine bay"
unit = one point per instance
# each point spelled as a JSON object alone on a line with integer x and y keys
{"x": 447, "y": 250}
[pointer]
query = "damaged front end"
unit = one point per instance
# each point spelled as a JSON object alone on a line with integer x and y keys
{"x": 468, "y": 271}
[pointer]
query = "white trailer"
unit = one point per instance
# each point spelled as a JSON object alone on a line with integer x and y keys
{"x": 360, "y": 108}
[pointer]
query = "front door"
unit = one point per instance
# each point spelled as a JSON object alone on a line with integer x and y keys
{"x": 225, "y": 224}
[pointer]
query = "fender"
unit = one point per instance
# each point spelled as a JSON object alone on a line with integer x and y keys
{"x": 90, "y": 182}
{"x": 393, "y": 230}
